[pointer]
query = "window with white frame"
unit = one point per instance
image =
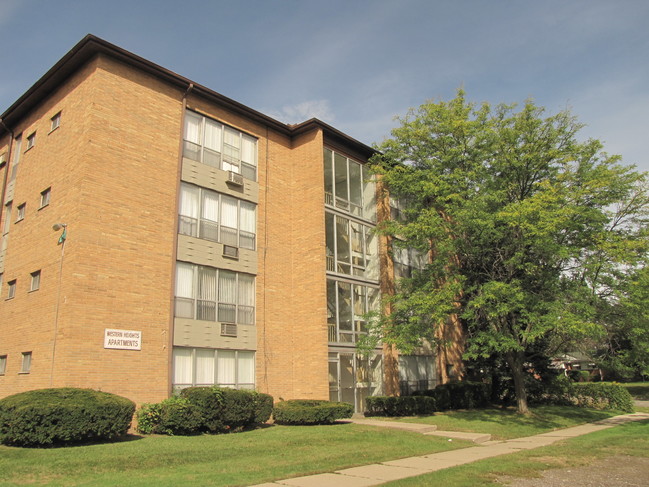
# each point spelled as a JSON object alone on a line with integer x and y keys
{"x": 210, "y": 294}
{"x": 45, "y": 197}
{"x": 20, "y": 212}
{"x": 351, "y": 247}
{"x": 416, "y": 373}
{"x": 31, "y": 140}
{"x": 16, "y": 157}
{"x": 347, "y": 307}
{"x": 3, "y": 364}
{"x": 35, "y": 281}
{"x": 214, "y": 216}
{"x": 11, "y": 289}
{"x": 208, "y": 366}
{"x": 219, "y": 146}
{"x": 26, "y": 364}
{"x": 406, "y": 260}
{"x": 7, "y": 218}
{"x": 349, "y": 186}
{"x": 55, "y": 121}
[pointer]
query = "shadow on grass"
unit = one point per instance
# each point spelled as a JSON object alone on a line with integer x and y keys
{"x": 543, "y": 417}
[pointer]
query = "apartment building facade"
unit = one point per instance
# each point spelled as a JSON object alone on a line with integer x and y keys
{"x": 158, "y": 235}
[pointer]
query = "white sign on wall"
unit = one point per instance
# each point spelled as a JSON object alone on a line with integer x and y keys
{"x": 123, "y": 339}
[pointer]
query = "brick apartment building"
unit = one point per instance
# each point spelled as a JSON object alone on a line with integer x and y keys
{"x": 156, "y": 235}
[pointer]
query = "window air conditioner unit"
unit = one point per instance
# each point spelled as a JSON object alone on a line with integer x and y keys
{"x": 235, "y": 178}
{"x": 228, "y": 330}
{"x": 230, "y": 251}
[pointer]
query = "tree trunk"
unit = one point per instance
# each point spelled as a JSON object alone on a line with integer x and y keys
{"x": 515, "y": 362}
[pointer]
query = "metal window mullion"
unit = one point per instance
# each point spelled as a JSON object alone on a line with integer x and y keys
{"x": 238, "y": 221}
{"x": 193, "y": 362}
{"x": 216, "y": 363}
{"x": 337, "y": 292}
{"x": 236, "y": 369}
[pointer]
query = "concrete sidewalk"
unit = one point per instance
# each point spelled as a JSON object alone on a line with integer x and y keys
{"x": 377, "y": 474}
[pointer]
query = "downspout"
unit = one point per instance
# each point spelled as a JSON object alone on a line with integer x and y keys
{"x": 6, "y": 174}
{"x": 174, "y": 251}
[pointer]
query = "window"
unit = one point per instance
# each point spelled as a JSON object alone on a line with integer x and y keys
{"x": 347, "y": 308}
{"x": 219, "y": 146}
{"x": 7, "y": 219}
{"x": 11, "y": 289}
{"x": 36, "y": 281}
{"x": 16, "y": 157}
{"x": 210, "y": 294}
{"x": 26, "y": 364}
{"x": 349, "y": 187}
{"x": 406, "y": 260}
{"x": 416, "y": 373}
{"x": 56, "y": 121}
{"x": 3, "y": 160}
{"x": 21, "y": 212}
{"x": 3, "y": 364}
{"x": 45, "y": 197}
{"x": 31, "y": 140}
{"x": 217, "y": 217}
{"x": 207, "y": 366}
{"x": 351, "y": 247}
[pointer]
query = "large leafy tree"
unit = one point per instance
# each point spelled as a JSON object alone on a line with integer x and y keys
{"x": 528, "y": 230}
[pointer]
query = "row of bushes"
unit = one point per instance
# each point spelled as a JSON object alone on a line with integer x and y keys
{"x": 49, "y": 417}
{"x": 205, "y": 410}
{"x": 595, "y": 395}
{"x": 454, "y": 395}
{"x": 472, "y": 395}
{"x": 221, "y": 410}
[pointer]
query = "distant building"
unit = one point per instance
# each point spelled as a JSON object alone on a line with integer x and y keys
{"x": 197, "y": 241}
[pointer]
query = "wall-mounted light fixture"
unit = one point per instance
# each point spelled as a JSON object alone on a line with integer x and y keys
{"x": 58, "y": 226}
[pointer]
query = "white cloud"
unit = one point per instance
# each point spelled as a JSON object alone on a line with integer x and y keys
{"x": 305, "y": 110}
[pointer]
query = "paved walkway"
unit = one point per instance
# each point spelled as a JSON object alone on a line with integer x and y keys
{"x": 377, "y": 474}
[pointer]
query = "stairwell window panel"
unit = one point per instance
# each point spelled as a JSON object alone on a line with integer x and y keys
{"x": 248, "y": 223}
{"x": 226, "y": 368}
{"x": 229, "y": 221}
{"x": 206, "y": 302}
{"x": 227, "y": 296}
{"x": 246, "y": 299}
{"x": 188, "y": 210}
{"x": 182, "y": 363}
{"x": 184, "y": 290}
{"x": 205, "y": 367}
{"x": 210, "y": 216}
{"x": 246, "y": 370}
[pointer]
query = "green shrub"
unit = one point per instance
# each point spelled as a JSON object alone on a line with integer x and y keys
{"x": 462, "y": 395}
{"x": 415, "y": 405}
{"x": 173, "y": 416}
{"x": 263, "y": 407}
{"x": 224, "y": 409}
{"x": 306, "y": 411}
{"x": 63, "y": 416}
{"x": 602, "y": 396}
{"x": 209, "y": 402}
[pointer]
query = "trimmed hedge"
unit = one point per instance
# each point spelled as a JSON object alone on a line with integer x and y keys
{"x": 205, "y": 409}
{"x": 454, "y": 395}
{"x": 63, "y": 416}
{"x": 173, "y": 416}
{"x": 602, "y": 396}
{"x": 307, "y": 412}
{"x": 400, "y": 405}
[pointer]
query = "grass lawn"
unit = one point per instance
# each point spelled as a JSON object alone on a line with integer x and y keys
{"x": 638, "y": 390}
{"x": 506, "y": 424}
{"x": 630, "y": 439}
{"x": 236, "y": 459}
{"x": 261, "y": 455}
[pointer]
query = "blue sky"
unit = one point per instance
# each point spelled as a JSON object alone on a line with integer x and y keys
{"x": 356, "y": 64}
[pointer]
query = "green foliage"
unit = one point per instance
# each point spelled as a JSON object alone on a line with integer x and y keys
{"x": 307, "y": 411}
{"x": 52, "y": 417}
{"x": 462, "y": 395}
{"x": 400, "y": 406}
{"x": 205, "y": 409}
{"x": 602, "y": 396}
{"x": 173, "y": 416}
{"x": 530, "y": 232}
